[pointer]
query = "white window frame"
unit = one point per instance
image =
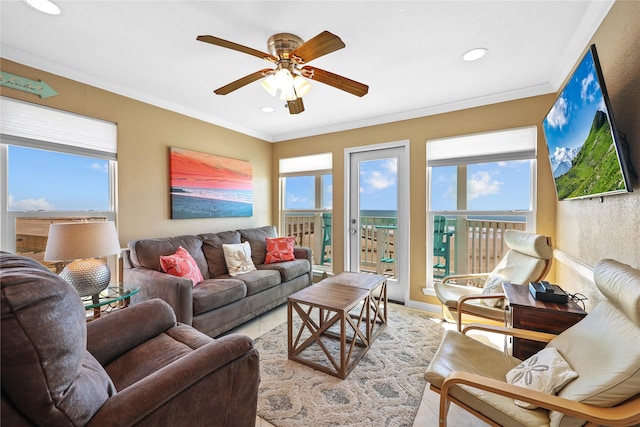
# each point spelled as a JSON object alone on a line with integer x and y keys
{"x": 35, "y": 126}
{"x": 488, "y": 147}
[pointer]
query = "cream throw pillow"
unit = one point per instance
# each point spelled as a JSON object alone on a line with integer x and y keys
{"x": 237, "y": 256}
{"x": 493, "y": 285}
{"x": 545, "y": 371}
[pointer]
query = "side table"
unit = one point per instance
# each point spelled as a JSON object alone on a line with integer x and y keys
{"x": 112, "y": 298}
{"x": 525, "y": 312}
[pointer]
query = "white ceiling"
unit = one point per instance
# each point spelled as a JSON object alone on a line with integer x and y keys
{"x": 408, "y": 52}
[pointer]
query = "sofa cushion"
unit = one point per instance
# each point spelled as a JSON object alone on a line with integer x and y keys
{"x": 259, "y": 280}
{"x": 69, "y": 385}
{"x": 181, "y": 264}
{"x": 289, "y": 269}
{"x": 212, "y": 248}
{"x": 214, "y": 293}
{"x": 147, "y": 252}
{"x": 257, "y": 238}
{"x": 280, "y": 249}
{"x": 237, "y": 256}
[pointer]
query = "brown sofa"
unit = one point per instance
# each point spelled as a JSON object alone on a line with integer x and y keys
{"x": 136, "y": 366}
{"x": 221, "y": 302}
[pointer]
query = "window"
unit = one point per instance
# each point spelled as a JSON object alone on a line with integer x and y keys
{"x": 306, "y": 185}
{"x": 58, "y": 167}
{"x": 481, "y": 185}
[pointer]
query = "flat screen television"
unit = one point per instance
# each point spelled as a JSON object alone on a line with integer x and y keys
{"x": 587, "y": 153}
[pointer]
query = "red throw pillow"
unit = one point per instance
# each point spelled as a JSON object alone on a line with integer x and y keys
{"x": 279, "y": 249}
{"x": 181, "y": 264}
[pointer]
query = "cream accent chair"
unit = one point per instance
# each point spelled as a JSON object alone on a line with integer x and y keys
{"x": 528, "y": 260}
{"x": 603, "y": 348}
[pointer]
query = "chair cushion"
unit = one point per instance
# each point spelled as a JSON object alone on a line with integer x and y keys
{"x": 237, "y": 256}
{"x": 607, "y": 359}
{"x": 619, "y": 283}
{"x": 519, "y": 268}
{"x": 458, "y": 352}
{"x": 545, "y": 371}
{"x": 47, "y": 372}
{"x": 534, "y": 245}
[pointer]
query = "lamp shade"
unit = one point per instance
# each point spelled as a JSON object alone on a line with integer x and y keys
{"x": 83, "y": 242}
{"x": 78, "y": 240}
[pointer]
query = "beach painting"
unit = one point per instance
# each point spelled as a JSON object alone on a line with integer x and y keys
{"x": 209, "y": 186}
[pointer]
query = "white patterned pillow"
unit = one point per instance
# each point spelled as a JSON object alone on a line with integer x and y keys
{"x": 493, "y": 285}
{"x": 237, "y": 256}
{"x": 545, "y": 371}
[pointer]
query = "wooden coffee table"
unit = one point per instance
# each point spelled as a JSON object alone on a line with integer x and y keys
{"x": 338, "y": 322}
{"x": 376, "y": 284}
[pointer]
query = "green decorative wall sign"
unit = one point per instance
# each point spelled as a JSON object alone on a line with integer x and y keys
{"x": 36, "y": 87}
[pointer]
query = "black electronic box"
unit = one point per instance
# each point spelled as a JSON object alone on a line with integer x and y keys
{"x": 544, "y": 291}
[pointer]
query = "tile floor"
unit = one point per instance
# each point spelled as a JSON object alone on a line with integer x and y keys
{"x": 427, "y": 412}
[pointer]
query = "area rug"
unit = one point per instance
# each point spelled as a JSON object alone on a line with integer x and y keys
{"x": 384, "y": 389}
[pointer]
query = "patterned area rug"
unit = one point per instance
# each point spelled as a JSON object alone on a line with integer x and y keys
{"x": 384, "y": 389}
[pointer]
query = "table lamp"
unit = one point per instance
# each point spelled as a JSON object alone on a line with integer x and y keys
{"x": 84, "y": 243}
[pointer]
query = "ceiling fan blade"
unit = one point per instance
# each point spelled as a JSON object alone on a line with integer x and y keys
{"x": 320, "y": 45}
{"x": 296, "y": 106}
{"x": 243, "y": 81}
{"x": 235, "y": 46}
{"x": 335, "y": 80}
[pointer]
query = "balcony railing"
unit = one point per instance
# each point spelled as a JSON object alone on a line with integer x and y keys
{"x": 481, "y": 250}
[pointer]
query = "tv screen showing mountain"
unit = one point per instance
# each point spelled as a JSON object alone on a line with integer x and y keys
{"x": 580, "y": 136}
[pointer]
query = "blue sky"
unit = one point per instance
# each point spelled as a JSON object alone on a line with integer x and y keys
{"x": 45, "y": 180}
{"x": 569, "y": 120}
{"x": 490, "y": 186}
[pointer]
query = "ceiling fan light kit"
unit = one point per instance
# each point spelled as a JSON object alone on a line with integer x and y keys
{"x": 289, "y": 53}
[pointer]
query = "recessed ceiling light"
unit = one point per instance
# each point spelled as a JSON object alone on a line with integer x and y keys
{"x": 44, "y": 6}
{"x": 267, "y": 109}
{"x": 475, "y": 54}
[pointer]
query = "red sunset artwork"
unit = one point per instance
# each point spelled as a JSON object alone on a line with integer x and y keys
{"x": 208, "y": 186}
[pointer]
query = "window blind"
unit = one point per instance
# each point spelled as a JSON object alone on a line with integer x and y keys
{"x": 291, "y": 166}
{"x": 504, "y": 145}
{"x": 42, "y": 127}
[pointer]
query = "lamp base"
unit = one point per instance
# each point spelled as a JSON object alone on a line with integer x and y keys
{"x": 89, "y": 276}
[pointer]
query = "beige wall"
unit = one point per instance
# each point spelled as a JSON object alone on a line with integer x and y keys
{"x": 145, "y": 134}
{"x": 589, "y": 230}
{"x": 524, "y": 112}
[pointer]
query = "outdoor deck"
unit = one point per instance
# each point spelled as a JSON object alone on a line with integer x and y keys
{"x": 482, "y": 248}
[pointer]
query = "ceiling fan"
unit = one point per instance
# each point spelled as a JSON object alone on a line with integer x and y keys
{"x": 289, "y": 53}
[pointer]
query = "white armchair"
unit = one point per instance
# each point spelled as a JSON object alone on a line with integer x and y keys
{"x": 603, "y": 349}
{"x": 528, "y": 259}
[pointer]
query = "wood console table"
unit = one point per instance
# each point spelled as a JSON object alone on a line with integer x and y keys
{"x": 525, "y": 312}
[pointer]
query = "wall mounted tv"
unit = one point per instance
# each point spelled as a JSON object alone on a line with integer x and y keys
{"x": 588, "y": 155}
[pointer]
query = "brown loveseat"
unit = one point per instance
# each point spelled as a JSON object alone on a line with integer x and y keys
{"x": 221, "y": 302}
{"x": 136, "y": 366}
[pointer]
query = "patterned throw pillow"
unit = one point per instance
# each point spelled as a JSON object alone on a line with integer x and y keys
{"x": 280, "y": 249}
{"x": 493, "y": 285}
{"x": 545, "y": 371}
{"x": 181, "y": 264}
{"x": 237, "y": 256}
